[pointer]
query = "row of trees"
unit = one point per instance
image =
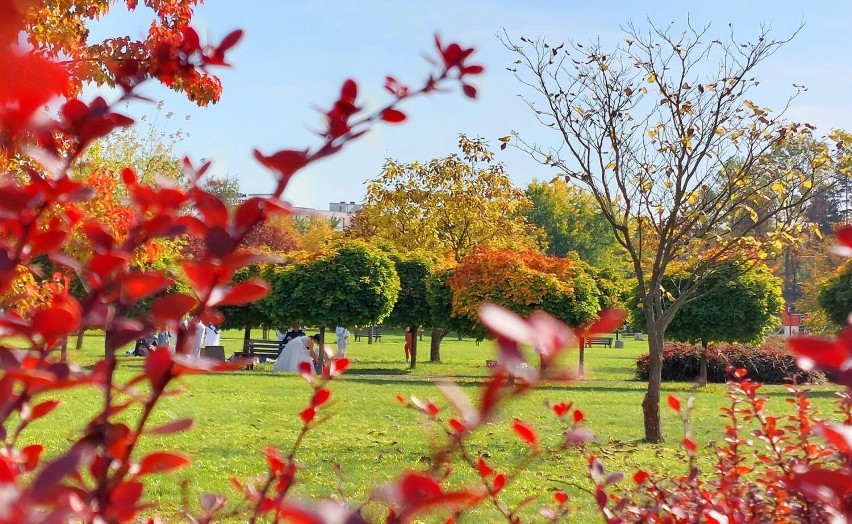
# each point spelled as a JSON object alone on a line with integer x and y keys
{"x": 355, "y": 283}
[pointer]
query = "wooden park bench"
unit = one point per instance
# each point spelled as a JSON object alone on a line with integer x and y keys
{"x": 358, "y": 333}
{"x": 599, "y": 341}
{"x": 257, "y": 348}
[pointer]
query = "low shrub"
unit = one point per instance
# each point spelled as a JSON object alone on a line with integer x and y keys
{"x": 769, "y": 363}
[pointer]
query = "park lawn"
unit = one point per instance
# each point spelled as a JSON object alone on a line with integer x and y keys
{"x": 237, "y": 415}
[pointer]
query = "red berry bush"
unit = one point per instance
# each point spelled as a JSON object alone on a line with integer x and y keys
{"x": 770, "y": 363}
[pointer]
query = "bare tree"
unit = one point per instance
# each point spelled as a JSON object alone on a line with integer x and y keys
{"x": 661, "y": 131}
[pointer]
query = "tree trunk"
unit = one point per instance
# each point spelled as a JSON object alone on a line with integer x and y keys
{"x": 370, "y": 335}
{"x": 265, "y": 333}
{"x": 414, "y": 345}
{"x": 582, "y": 368}
{"x": 321, "y": 347}
{"x": 247, "y": 333}
{"x": 702, "y": 365}
{"x": 63, "y": 351}
{"x": 435, "y": 345}
{"x": 79, "y": 345}
{"x": 651, "y": 402}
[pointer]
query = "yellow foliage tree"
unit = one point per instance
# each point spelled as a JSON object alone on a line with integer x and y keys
{"x": 447, "y": 205}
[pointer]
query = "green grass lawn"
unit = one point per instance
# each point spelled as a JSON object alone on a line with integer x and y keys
{"x": 237, "y": 415}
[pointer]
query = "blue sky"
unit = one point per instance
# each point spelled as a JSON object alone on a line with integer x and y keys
{"x": 295, "y": 55}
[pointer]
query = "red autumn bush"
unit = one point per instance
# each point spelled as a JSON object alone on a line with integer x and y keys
{"x": 770, "y": 363}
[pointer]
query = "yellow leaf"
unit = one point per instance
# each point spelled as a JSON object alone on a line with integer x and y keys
{"x": 652, "y": 133}
{"x": 778, "y": 187}
{"x": 736, "y": 134}
{"x": 580, "y": 110}
{"x": 652, "y": 78}
{"x": 720, "y": 131}
{"x": 604, "y": 67}
{"x": 807, "y": 184}
{"x": 611, "y": 165}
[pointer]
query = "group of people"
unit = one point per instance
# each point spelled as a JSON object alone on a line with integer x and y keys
{"x": 204, "y": 336}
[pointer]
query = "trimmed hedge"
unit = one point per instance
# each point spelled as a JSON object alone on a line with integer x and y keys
{"x": 769, "y": 363}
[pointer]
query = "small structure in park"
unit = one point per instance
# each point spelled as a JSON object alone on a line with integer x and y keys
{"x": 791, "y": 323}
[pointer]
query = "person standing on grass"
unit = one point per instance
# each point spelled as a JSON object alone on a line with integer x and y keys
{"x": 211, "y": 336}
{"x": 342, "y": 338}
{"x": 408, "y": 341}
{"x": 298, "y": 350}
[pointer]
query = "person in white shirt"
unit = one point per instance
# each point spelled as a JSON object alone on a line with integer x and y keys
{"x": 211, "y": 336}
{"x": 342, "y": 338}
{"x": 198, "y": 343}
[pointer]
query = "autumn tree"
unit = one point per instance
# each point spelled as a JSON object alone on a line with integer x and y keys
{"x": 739, "y": 302}
{"x": 660, "y": 130}
{"x": 59, "y": 30}
{"x": 523, "y": 282}
{"x": 572, "y": 222}
{"x": 351, "y": 284}
{"x": 412, "y": 308}
{"x": 446, "y": 205}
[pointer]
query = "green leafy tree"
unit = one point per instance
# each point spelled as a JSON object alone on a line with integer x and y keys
{"x": 835, "y": 295}
{"x": 352, "y": 284}
{"x": 740, "y": 302}
{"x": 661, "y": 131}
{"x": 252, "y": 315}
{"x": 411, "y": 308}
{"x": 572, "y": 222}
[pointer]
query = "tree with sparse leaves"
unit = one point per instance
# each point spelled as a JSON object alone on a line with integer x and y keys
{"x": 660, "y": 130}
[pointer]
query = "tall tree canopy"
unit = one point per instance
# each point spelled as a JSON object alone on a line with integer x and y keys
{"x": 446, "y": 205}
{"x": 571, "y": 221}
{"x": 661, "y": 131}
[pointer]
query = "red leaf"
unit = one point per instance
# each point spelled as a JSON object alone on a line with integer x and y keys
{"x": 27, "y": 82}
{"x": 578, "y": 416}
{"x": 416, "y": 487}
{"x": 838, "y": 434}
{"x": 432, "y": 409}
{"x": 499, "y": 482}
{"x": 525, "y": 432}
{"x": 161, "y": 462}
{"x": 307, "y": 415}
{"x": 674, "y": 403}
{"x": 484, "y": 469}
{"x": 230, "y": 40}
{"x": 740, "y": 373}
{"x": 47, "y": 241}
{"x": 243, "y": 293}
{"x": 173, "y": 306}
{"x": 136, "y": 286}
{"x": 689, "y": 445}
{"x": 349, "y": 91}
{"x": 61, "y": 318}
{"x": 306, "y": 369}
{"x": 844, "y": 236}
{"x": 320, "y": 397}
{"x": 200, "y": 274}
{"x": 608, "y": 321}
{"x": 286, "y": 162}
{"x": 561, "y": 408}
{"x": 337, "y": 367}
{"x": 400, "y": 399}
{"x": 43, "y": 409}
{"x": 822, "y": 352}
{"x": 457, "y": 426}
{"x": 561, "y": 497}
{"x": 273, "y": 458}
{"x": 392, "y": 115}
{"x": 172, "y": 427}
{"x": 213, "y": 211}
{"x": 640, "y": 476}
{"x": 32, "y": 454}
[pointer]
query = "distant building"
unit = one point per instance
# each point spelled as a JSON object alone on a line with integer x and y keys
{"x": 339, "y": 213}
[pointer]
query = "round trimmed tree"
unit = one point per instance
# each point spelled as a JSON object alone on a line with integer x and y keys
{"x": 835, "y": 295}
{"x": 740, "y": 302}
{"x": 351, "y": 284}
